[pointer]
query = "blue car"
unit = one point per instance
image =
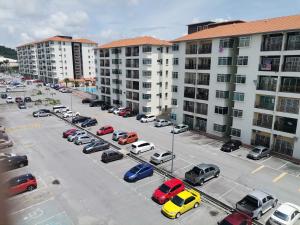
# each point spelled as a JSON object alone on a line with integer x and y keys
{"x": 89, "y": 123}
{"x": 138, "y": 172}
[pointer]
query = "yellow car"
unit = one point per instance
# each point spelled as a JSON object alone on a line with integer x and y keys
{"x": 181, "y": 203}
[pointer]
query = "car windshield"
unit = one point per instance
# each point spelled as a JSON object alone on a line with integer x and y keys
{"x": 225, "y": 222}
{"x": 196, "y": 170}
{"x": 281, "y": 215}
{"x": 256, "y": 150}
{"x": 177, "y": 201}
{"x": 134, "y": 169}
{"x": 156, "y": 154}
{"x": 164, "y": 188}
{"x": 177, "y": 127}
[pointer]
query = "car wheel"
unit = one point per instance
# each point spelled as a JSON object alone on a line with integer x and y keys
{"x": 178, "y": 215}
{"x": 30, "y": 188}
{"x": 217, "y": 174}
{"x": 80, "y": 143}
{"x": 201, "y": 182}
{"x": 139, "y": 152}
{"x": 196, "y": 205}
{"x": 274, "y": 203}
{"x": 21, "y": 165}
{"x": 258, "y": 216}
{"x": 152, "y": 148}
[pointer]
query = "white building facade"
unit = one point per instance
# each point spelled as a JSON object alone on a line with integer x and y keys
{"x": 135, "y": 73}
{"x": 234, "y": 83}
{"x": 56, "y": 58}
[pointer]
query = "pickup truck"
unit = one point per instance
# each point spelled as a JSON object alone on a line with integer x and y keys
{"x": 201, "y": 173}
{"x": 256, "y": 203}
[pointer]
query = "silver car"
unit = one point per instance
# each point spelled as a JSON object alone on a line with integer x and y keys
{"x": 118, "y": 134}
{"x": 72, "y": 137}
{"x": 180, "y": 128}
{"x": 160, "y": 157}
{"x": 83, "y": 139}
{"x": 259, "y": 152}
{"x": 162, "y": 123}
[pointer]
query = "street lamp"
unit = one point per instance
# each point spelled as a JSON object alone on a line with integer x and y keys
{"x": 173, "y": 120}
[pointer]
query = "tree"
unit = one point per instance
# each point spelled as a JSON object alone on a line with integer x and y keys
{"x": 66, "y": 80}
{"x": 87, "y": 84}
{"x": 76, "y": 83}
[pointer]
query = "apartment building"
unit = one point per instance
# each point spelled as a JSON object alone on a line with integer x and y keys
{"x": 135, "y": 73}
{"x": 56, "y": 58}
{"x": 241, "y": 80}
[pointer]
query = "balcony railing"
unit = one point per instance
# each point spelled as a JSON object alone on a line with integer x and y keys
{"x": 190, "y": 66}
{"x": 206, "y": 50}
{"x": 189, "y": 81}
{"x": 291, "y": 68}
{"x": 285, "y": 128}
{"x": 270, "y": 87}
{"x": 287, "y": 109}
{"x": 188, "y": 108}
{"x": 263, "y": 123}
{"x": 290, "y": 88}
{"x": 265, "y": 106}
{"x": 271, "y": 47}
{"x": 268, "y": 67}
{"x": 204, "y": 67}
{"x": 191, "y": 51}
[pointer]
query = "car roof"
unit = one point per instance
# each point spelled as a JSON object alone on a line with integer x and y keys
{"x": 143, "y": 165}
{"x": 185, "y": 194}
{"x": 205, "y": 165}
{"x": 119, "y": 132}
{"x": 130, "y": 133}
{"x": 22, "y": 176}
{"x": 260, "y": 147}
{"x": 288, "y": 208}
{"x": 106, "y": 126}
{"x": 161, "y": 152}
{"x": 236, "y": 217}
{"x": 258, "y": 194}
{"x": 172, "y": 182}
{"x": 140, "y": 142}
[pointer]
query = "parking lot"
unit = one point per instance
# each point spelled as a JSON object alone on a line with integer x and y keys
{"x": 90, "y": 192}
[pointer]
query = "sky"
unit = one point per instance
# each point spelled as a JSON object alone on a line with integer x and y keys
{"x": 102, "y": 21}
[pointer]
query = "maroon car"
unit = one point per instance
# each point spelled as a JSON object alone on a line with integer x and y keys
{"x": 236, "y": 218}
{"x": 69, "y": 132}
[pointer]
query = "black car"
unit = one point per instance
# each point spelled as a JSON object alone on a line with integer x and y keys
{"x": 27, "y": 99}
{"x": 231, "y": 145}
{"x": 35, "y": 113}
{"x": 106, "y": 106}
{"x": 95, "y": 147}
{"x": 86, "y": 100}
{"x": 95, "y": 103}
{"x": 14, "y": 162}
{"x": 89, "y": 123}
{"x": 111, "y": 155}
{"x": 22, "y": 105}
{"x": 140, "y": 116}
{"x": 3, "y": 96}
{"x": 80, "y": 119}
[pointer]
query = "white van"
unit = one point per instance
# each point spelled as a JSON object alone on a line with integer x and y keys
{"x": 60, "y": 108}
{"x": 141, "y": 146}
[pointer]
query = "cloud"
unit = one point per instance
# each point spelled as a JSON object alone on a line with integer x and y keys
{"x": 134, "y": 2}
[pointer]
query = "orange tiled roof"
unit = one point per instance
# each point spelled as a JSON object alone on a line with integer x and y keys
{"x": 56, "y": 38}
{"x": 145, "y": 40}
{"x": 252, "y": 27}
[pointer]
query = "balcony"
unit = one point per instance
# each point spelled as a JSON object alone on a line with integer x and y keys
{"x": 204, "y": 49}
{"x": 266, "y": 83}
{"x": 188, "y": 80}
{"x": 191, "y": 50}
{"x": 188, "y": 106}
{"x": 202, "y": 94}
{"x": 263, "y": 123}
{"x": 265, "y": 102}
{"x": 204, "y": 67}
{"x": 268, "y": 67}
{"x": 285, "y": 124}
{"x": 290, "y": 84}
{"x": 293, "y": 41}
{"x": 291, "y": 67}
{"x": 272, "y": 42}
{"x": 288, "y": 105}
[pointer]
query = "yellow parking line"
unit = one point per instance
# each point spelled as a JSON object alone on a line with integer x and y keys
{"x": 279, "y": 177}
{"x": 257, "y": 169}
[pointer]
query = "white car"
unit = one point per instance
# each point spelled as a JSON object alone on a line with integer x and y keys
{"x": 9, "y": 100}
{"x": 70, "y": 114}
{"x": 141, "y": 146}
{"x": 148, "y": 118}
{"x": 162, "y": 123}
{"x": 286, "y": 214}
{"x": 64, "y": 110}
{"x": 116, "y": 111}
{"x": 180, "y": 128}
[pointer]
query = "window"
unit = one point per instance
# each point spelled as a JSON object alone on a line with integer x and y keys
{"x": 240, "y": 79}
{"x": 146, "y": 109}
{"x": 166, "y": 95}
{"x": 146, "y": 96}
{"x": 244, "y": 41}
{"x": 146, "y": 84}
{"x": 219, "y": 128}
{"x": 223, "y": 77}
{"x": 175, "y": 61}
{"x": 221, "y": 110}
{"x": 235, "y": 132}
{"x": 174, "y": 88}
{"x": 147, "y": 61}
{"x": 238, "y": 96}
{"x": 147, "y": 48}
{"x": 242, "y": 60}
{"x": 147, "y": 73}
{"x": 225, "y": 61}
{"x": 174, "y": 101}
{"x": 226, "y": 43}
{"x": 167, "y": 61}
{"x": 175, "y": 47}
{"x": 237, "y": 113}
{"x": 166, "y": 85}
{"x": 175, "y": 75}
{"x": 222, "y": 94}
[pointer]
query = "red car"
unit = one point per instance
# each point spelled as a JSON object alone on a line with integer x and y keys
{"x": 18, "y": 99}
{"x": 167, "y": 190}
{"x": 26, "y": 182}
{"x": 124, "y": 111}
{"x": 105, "y": 130}
{"x": 69, "y": 132}
{"x": 236, "y": 218}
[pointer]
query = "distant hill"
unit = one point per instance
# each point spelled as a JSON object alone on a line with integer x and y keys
{"x": 8, "y": 52}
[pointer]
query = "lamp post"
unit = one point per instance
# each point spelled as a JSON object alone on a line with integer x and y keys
{"x": 173, "y": 120}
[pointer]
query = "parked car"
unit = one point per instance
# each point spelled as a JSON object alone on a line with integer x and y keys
{"x": 286, "y": 214}
{"x": 124, "y": 111}
{"x": 60, "y": 108}
{"x": 105, "y": 130}
{"x": 18, "y": 99}
{"x": 259, "y": 152}
{"x": 141, "y": 146}
{"x": 83, "y": 139}
{"x": 69, "y": 132}
{"x": 256, "y": 203}
{"x": 9, "y": 100}
{"x": 2, "y": 129}
{"x": 162, "y": 123}
{"x": 236, "y": 218}
{"x": 89, "y": 123}
{"x": 86, "y": 100}
{"x": 129, "y": 114}
{"x": 129, "y": 138}
{"x": 70, "y": 114}
{"x": 180, "y": 128}
{"x": 95, "y": 146}
{"x": 6, "y": 155}
{"x": 19, "y": 184}
{"x": 181, "y": 203}
{"x": 138, "y": 172}
{"x": 41, "y": 113}
{"x": 66, "y": 90}
{"x": 105, "y": 106}
{"x": 117, "y": 110}
{"x": 161, "y": 157}
{"x": 75, "y": 134}
{"x": 4, "y": 96}
{"x": 4, "y": 143}
{"x": 112, "y": 109}
{"x": 27, "y": 99}
{"x": 231, "y": 145}
{"x": 118, "y": 134}
{"x": 202, "y": 173}
{"x": 95, "y": 103}
{"x": 168, "y": 190}
{"x": 80, "y": 119}
{"x": 140, "y": 116}
{"x": 111, "y": 155}
{"x": 14, "y": 162}
{"x": 148, "y": 118}
{"x": 21, "y": 105}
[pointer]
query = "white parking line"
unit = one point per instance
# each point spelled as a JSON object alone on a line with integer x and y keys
{"x": 266, "y": 159}
{"x": 227, "y": 192}
{"x": 29, "y": 207}
{"x": 282, "y": 166}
